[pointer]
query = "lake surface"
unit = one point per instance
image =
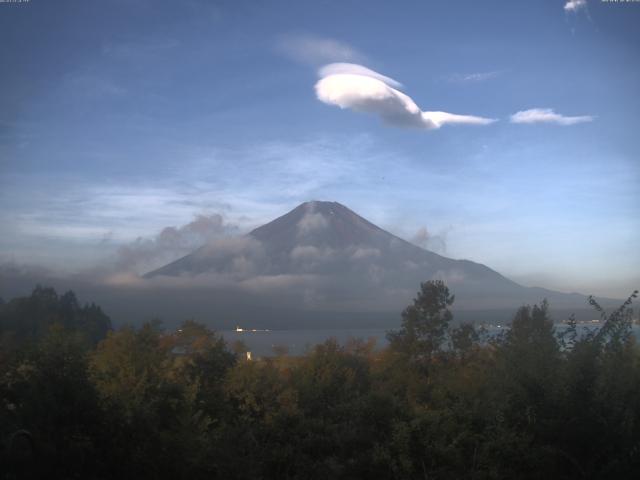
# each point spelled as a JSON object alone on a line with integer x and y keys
{"x": 262, "y": 343}
{"x": 297, "y": 342}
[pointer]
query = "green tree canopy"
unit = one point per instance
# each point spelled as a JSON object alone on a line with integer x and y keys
{"x": 425, "y": 323}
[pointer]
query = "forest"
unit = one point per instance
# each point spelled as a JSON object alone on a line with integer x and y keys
{"x": 81, "y": 400}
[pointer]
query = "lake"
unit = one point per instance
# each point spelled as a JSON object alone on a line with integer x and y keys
{"x": 262, "y": 343}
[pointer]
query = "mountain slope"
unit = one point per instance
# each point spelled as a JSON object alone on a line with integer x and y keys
{"x": 324, "y": 237}
{"x": 324, "y": 255}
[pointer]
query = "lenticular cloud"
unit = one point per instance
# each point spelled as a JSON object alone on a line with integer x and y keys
{"x": 353, "y": 86}
{"x": 547, "y": 115}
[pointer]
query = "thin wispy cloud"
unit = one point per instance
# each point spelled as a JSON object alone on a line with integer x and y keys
{"x": 313, "y": 50}
{"x": 474, "y": 77}
{"x": 548, "y": 115}
{"x": 87, "y": 211}
{"x": 358, "y": 88}
{"x": 575, "y": 5}
{"x": 424, "y": 238}
{"x": 91, "y": 86}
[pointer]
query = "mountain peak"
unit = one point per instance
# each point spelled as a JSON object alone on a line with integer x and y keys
{"x": 318, "y": 223}
{"x": 320, "y": 204}
{"x": 323, "y": 207}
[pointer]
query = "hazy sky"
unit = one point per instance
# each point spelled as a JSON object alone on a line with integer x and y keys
{"x": 119, "y": 118}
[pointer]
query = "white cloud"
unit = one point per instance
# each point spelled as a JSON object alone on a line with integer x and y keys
{"x": 575, "y": 5}
{"x": 547, "y": 115}
{"x": 361, "y": 89}
{"x": 355, "y": 69}
{"x": 311, "y": 222}
{"x": 313, "y": 50}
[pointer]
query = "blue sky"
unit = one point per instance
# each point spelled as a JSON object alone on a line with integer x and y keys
{"x": 119, "y": 118}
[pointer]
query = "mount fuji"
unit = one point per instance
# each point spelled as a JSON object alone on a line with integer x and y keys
{"x": 323, "y": 257}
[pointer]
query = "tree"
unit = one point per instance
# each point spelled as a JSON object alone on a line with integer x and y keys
{"x": 25, "y": 320}
{"x": 129, "y": 369}
{"x": 48, "y": 395}
{"x": 425, "y": 323}
{"x": 202, "y": 362}
{"x": 523, "y": 401}
{"x": 601, "y": 403}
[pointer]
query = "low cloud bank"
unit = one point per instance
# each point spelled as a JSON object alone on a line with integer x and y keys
{"x": 172, "y": 242}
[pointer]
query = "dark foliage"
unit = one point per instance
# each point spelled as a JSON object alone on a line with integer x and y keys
{"x": 440, "y": 402}
{"x": 24, "y": 320}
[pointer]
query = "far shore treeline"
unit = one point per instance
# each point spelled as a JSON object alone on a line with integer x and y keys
{"x": 79, "y": 399}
